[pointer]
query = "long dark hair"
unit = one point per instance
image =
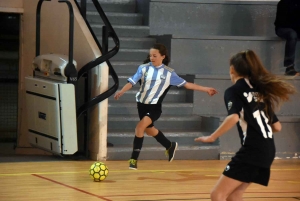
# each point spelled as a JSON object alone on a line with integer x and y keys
{"x": 273, "y": 90}
{"x": 162, "y": 51}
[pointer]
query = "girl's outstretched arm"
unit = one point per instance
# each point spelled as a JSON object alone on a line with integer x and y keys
{"x": 227, "y": 124}
{"x": 276, "y": 127}
{"x": 123, "y": 90}
{"x": 211, "y": 91}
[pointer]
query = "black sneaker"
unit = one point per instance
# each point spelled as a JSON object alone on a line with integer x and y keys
{"x": 133, "y": 164}
{"x": 290, "y": 71}
{"x": 171, "y": 151}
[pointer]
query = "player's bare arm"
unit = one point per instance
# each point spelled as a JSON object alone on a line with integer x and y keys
{"x": 227, "y": 124}
{"x": 209, "y": 90}
{"x": 123, "y": 90}
{"x": 276, "y": 127}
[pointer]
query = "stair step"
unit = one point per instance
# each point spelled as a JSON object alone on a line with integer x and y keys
{"x": 132, "y": 43}
{"x": 124, "y": 6}
{"x": 118, "y": 138}
{"x": 167, "y": 108}
{"x": 131, "y": 55}
{"x": 189, "y": 152}
{"x": 165, "y": 122}
{"x": 116, "y": 18}
{"x": 123, "y": 79}
{"x": 124, "y": 31}
{"x": 125, "y": 66}
{"x": 173, "y": 96}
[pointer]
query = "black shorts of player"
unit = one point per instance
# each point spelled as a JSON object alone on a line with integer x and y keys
{"x": 247, "y": 173}
{"x": 151, "y": 110}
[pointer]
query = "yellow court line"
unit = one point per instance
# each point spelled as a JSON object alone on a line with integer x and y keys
{"x": 279, "y": 169}
{"x": 294, "y": 182}
{"x": 121, "y": 171}
{"x": 30, "y": 173}
{"x": 153, "y": 171}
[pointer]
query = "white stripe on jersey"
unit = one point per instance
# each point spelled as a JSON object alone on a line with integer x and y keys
{"x": 181, "y": 83}
{"x": 154, "y": 88}
{"x": 146, "y": 80}
{"x": 132, "y": 81}
{"x": 248, "y": 82}
{"x": 165, "y": 86}
{"x": 158, "y": 81}
{"x": 243, "y": 124}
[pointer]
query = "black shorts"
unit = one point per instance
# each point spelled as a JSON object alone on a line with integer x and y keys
{"x": 151, "y": 110}
{"x": 247, "y": 173}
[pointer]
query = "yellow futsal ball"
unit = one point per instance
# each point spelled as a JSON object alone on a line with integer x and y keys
{"x": 98, "y": 171}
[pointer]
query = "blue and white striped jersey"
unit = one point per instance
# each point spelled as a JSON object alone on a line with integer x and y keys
{"x": 154, "y": 82}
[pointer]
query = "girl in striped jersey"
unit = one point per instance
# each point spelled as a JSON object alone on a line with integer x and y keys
{"x": 155, "y": 78}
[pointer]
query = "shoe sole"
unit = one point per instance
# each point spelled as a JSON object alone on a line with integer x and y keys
{"x": 174, "y": 152}
{"x": 296, "y": 74}
{"x": 132, "y": 168}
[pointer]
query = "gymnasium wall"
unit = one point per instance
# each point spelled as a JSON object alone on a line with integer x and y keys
{"x": 11, "y": 4}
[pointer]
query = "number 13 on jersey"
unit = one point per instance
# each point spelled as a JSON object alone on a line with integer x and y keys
{"x": 260, "y": 117}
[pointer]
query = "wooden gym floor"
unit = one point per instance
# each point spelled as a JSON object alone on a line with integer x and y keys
{"x": 55, "y": 180}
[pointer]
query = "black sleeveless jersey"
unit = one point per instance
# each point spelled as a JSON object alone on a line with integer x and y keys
{"x": 254, "y": 128}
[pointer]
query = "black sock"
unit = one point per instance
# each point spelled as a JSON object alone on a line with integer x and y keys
{"x": 161, "y": 138}
{"x": 137, "y": 146}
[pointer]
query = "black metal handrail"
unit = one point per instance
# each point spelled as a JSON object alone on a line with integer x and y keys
{"x": 38, "y": 27}
{"x": 108, "y": 31}
{"x": 70, "y": 70}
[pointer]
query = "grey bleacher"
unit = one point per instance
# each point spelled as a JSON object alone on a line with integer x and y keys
{"x": 193, "y": 18}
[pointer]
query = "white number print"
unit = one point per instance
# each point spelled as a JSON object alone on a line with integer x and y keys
{"x": 267, "y": 132}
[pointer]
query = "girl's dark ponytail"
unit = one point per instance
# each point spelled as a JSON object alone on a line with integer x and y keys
{"x": 272, "y": 89}
{"x": 147, "y": 60}
{"x": 166, "y": 60}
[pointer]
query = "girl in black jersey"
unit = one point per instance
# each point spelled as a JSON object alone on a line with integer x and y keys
{"x": 250, "y": 103}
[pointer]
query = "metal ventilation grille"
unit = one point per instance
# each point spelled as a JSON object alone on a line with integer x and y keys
{"x": 9, "y": 71}
{"x": 8, "y": 110}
